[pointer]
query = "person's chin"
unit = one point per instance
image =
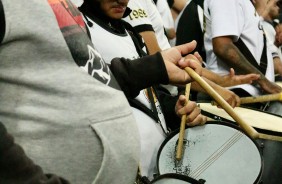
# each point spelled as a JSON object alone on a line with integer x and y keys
{"x": 117, "y": 16}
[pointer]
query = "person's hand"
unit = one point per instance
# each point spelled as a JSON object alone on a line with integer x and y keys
{"x": 175, "y": 63}
{"x": 230, "y": 97}
{"x": 232, "y": 80}
{"x": 269, "y": 87}
{"x": 190, "y": 108}
{"x": 199, "y": 57}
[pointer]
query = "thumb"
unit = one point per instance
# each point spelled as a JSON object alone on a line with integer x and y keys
{"x": 187, "y": 47}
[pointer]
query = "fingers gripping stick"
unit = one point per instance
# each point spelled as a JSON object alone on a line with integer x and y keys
{"x": 182, "y": 126}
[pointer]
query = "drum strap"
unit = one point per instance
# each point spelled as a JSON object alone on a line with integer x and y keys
{"x": 154, "y": 108}
{"x": 138, "y": 105}
{"x": 141, "y": 179}
{"x": 246, "y": 52}
{"x": 151, "y": 113}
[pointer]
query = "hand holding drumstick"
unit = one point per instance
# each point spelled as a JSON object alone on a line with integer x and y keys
{"x": 182, "y": 126}
{"x": 194, "y": 117}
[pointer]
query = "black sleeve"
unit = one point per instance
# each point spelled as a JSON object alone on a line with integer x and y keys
{"x": 2, "y": 22}
{"x": 138, "y": 74}
{"x": 17, "y": 168}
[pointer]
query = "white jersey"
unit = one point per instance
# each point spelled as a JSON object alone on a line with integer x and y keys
{"x": 145, "y": 12}
{"x": 114, "y": 45}
{"x": 236, "y": 18}
{"x": 151, "y": 133}
{"x": 166, "y": 15}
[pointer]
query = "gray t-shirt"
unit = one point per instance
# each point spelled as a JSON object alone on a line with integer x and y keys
{"x": 68, "y": 122}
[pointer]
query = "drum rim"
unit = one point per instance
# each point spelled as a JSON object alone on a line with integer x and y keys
{"x": 222, "y": 119}
{"x": 173, "y": 133}
{"x": 176, "y": 176}
{"x": 246, "y": 107}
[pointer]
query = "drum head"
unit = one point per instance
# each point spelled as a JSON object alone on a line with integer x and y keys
{"x": 263, "y": 122}
{"x": 173, "y": 178}
{"x": 213, "y": 152}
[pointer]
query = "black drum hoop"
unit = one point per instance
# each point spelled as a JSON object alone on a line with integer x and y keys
{"x": 176, "y": 176}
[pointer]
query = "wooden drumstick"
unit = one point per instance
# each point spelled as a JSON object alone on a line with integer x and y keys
{"x": 255, "y": 99}
{"x": 182, "y": 126}
{"x": 250, "y": 131}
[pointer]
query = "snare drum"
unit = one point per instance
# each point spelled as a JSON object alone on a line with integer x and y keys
{"x": 173, "y": 178}
{"x": 264, "y": 123}
{"x": 215, "y": 153}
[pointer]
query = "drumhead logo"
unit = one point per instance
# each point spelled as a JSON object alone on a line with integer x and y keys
{"x": 96, "y": 67}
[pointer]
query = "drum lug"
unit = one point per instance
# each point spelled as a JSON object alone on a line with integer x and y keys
{"x": 261, "y": 145}
{"x": 217, "y": 118}
{"x": 202, "y": 181}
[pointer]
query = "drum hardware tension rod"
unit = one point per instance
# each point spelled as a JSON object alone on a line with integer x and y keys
{"x": 255, "y": 99}
{"x": 182, "y": 126}
{"x": 249, "y": 130}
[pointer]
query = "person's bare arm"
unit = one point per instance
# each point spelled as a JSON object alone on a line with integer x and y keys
{"x": 178, "y": 5}
{"x": 277, "y": 66}
{"x": 228, "y": 52}
{"x": 278, "y": 35}
{"x": 230, "y": 79}
{"x": 151, "y": 41}
{"x": 229, "y": 96}
{"x": 227, "y": 80}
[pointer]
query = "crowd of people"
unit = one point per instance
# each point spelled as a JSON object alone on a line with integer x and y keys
{"x": 90, "y": 89}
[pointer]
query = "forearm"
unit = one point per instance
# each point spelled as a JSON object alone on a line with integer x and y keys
{"x": 212, "y": 76}
{"x": 231, "y": 55}
{"x": 135, "y": 75}
{"x": 197, "y": 87}
{"x": 151, "y": 41}
{"x": 178, "y": 5}
{"x": 277, "y": 66}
